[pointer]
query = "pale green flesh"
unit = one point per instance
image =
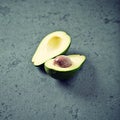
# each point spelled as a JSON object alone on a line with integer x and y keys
{"x": 77, "y": 60}
{"x": 52, "y": 45}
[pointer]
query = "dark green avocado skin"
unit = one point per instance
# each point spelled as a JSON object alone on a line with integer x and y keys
{"x": 60, "y": 75}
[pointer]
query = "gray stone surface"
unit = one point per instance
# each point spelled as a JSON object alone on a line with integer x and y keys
{"x": 26, "y": 93}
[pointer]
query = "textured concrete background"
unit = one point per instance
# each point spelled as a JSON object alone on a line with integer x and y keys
{"x": 26, "y": 93}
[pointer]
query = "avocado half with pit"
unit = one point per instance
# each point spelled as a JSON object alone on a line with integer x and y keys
{"x": 52, "y": 45}
{"x": 64, "y": 67}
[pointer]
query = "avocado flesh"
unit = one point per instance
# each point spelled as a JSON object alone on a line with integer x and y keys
{"x": 52, "y": 45}
{"x": 64, "y": 73}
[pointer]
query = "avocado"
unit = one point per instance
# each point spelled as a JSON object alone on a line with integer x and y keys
{"x": 52, "y": 45}
{"x": 64, "y": 67}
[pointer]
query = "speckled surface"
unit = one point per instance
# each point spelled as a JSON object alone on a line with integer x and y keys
{"x": 26, "y": 93}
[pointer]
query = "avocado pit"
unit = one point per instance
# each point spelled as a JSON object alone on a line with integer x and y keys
{"x": 62, "y": 61}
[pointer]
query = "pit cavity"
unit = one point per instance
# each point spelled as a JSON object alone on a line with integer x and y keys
{"x": 54, "y": 42}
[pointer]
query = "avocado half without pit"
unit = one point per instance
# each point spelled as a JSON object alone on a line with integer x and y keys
{"x": 52, "y": 45}
{"x": 64, "y": 67}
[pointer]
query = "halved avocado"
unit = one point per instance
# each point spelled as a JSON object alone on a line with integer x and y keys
{"x": 64, "y": 73}
{"x": 52, "y": 45}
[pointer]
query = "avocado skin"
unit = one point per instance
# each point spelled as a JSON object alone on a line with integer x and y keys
{"x": 62, "y": 75}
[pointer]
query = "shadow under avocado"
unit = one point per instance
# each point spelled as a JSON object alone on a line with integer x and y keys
{"x": 41, "y": 69}
{"x": 84, "y": 83}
